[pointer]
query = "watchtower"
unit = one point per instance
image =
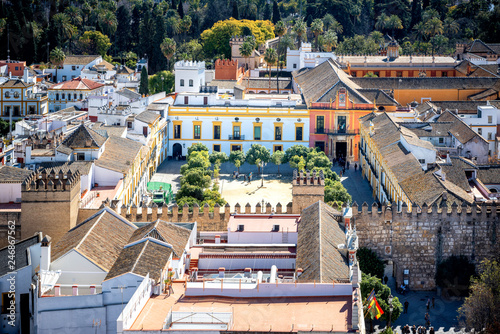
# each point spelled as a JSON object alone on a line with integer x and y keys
{"x": 307, "y": 189}
{"x": 49, "y": 203}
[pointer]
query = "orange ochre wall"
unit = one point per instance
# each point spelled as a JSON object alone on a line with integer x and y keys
{"x": 405, "y": 96}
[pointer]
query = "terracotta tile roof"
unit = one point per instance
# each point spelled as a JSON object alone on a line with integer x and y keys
{"x": 119, "y": 154}
{"x": 83, "y": 167}
{"x": 455, "y": 172}
{"x": 489, "y": 175}
{"x": 478, "y": 46}
{"x": 401, "y": 61}
{"x": 461, "y": 131}
{"x": 318, "y": 254}
{"x": 84, "y": 137}
{"x": 21, "y": 255}
{"x": 77, "y": 84}
{"x": 15, "y": 83}
{"x": 124, "y": 70}
{"x": 80, "y": 59}
{"x": 9, "y": 174}
{"x": 104, "y": 65}
{"x": 143, "y": 257}
{"x": 427, "y": 83}
{"x": 100, "y": 238}
{"x": 378, "y": 96}
{"x": 147, "y": 117}
{"x": 64, "y": 149}
{"x": 321, "y": 83}
{"x": 110, "y": 130}
{"x": 170, "y": 233}
{"x": 256, "y": 83}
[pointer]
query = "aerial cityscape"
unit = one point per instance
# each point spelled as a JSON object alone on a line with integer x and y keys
{"x": 250, "y": 166}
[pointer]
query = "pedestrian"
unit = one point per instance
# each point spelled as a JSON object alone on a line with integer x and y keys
{"x": 406, "y": 306}
{"x": 340, "y": 174}
{"x": 355, "y": 167}
{"x": 433, "y": 300}
{"x": 343, "y": 169}
{"x": 414, "y": 329}
{"x": 428, "y": 304}
{"x": 348, "y": 164}
{"x": 427, "y": 319}
{"x": 386, "y": 279}
{"x": 431, "y": 330}
{"x": 245, "y": 176}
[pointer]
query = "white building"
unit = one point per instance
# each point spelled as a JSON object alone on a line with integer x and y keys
{"x": 305, "y": 58}
{"x": 74, "y": 65}
{"x": 189, "y": 76}
{"x": 485, "y": 123}
{"x": 73, "y": 91}
{"x": 228, "y": 124}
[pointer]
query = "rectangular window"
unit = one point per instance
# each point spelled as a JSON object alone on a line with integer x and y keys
{"x": 320, "y": 124}
{"x": 145, "y": 131}
{"x": 31, "y": 109}
{"x": 80, "y": 156}
{"x": 422, "y": 161}
{"x": 73, "y": 68}
{"x": 277, "y": 133}
{"x": 236, "y": 132}
{"x": 480, "y": 131}
{"x": 353, "y": 74}
{"x": 294, "y": 65}
{"x": 64, "y": 78}
{"x": 129, "y": 125}
{"x": 444, "y": 74}
{"x": 197, "y": 132}
{"x": 186, "y": 99}
{"x": 7, "y": 111}
{"x": 490, "y": 119}
{"x": 257, "y": 132}
{"x": 277, "y": 148}
{"x": 205, "y": 100}
{"x": 216, "y": 148}
{"x": 235, "y": 147}
{"x": 7, "y": 300}
{"x": 441, "y": 140}
{"x": 399, "y": 74}
{"x": 177, "y": 131}
{"x": 341, "y": 124}
{"x": 490, "y": 136}
{"x": 16, "y": 111}
{"x": 216, "y": 131}
{"x": 298, "y": 133}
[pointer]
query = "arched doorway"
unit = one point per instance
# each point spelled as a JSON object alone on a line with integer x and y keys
{"x": 177, "y": 151}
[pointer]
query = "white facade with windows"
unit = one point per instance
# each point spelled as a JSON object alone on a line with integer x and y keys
{"x": 225, "y": 125}
{"x": 305, "y": 58}
{"x": 484, "y": 123}
{"x": 189, "y": 76}
{"x": 74, "y": 65}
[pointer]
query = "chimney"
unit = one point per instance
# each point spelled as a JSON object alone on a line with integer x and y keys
{"x": 221, "y": 272}
{"x": 92, "y": 289}
{"x": 299, "y": 271}
{"x": 75, "y": 290}
{"x": 448, "y": 160}
{"x": 45, "y": 253}
{"x": 57, "y": 290}
{"x": 443, "y": 175}
{"x": 217, "y": 239}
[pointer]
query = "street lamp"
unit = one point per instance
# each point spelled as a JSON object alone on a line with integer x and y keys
{"x": 389, "y": 299}
{"x": 262, "y": 164}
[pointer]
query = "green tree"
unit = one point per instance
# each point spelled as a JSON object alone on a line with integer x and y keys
{"x": 218, "y": 158}
{"x": 193, "y": 177}
{"x": 276, "y": 12}
{"x": 237, "y": 158}
{"x": 256, "y": 154}
{"x": 57, "y": 58}
{"x": 236, "y": 14}
{"x": 65, "y": 30}
{"x": 168, "y": 49}
{"x": 453, "y": 275}
{"x": 433, "y": 27}
{"x": 335, "y": 193}
{"x": 108, "y": 22}
{"x": 197, "y": 147}
{"x": 187, "y": 191}
{"x": 481, "y": 310}
{"x": 369, "y": 263}
{"x": 296, "y": 150}
{"x": 123, "y": 40}
{"x": 279, "y": 30}
{"x": 317, "y": 29}
{"x": 144, "y": 84}
{"x": 328, "y": 20}
{"x": 163, "y": 81}
{"x": 317, "y": 159}
{"x": 300, "y": 29}
{"x": 393, "y": 23}
{"x": 381, "y": 23}
{"x": 277, "y": 158}
{"x": 377, "y": 37}
{"x": 450, "y": 27}
{"x": 270, "y": 57}
{"x": 382, "y": 292}
{"x": 438, "y": 44}
{"x": 94, "y": 42}
{"x": 330, "y": 40}
{"x": 246, "y": 50}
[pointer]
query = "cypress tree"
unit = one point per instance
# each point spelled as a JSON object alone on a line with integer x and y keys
{"x": 416, "y": 13}
{"x": 236, "y": 14}
{"x": 267, "y": 12}
{"x": 276, "y": 12}
{"x": 180, "y": 9}
{"x": 144, "y": 85}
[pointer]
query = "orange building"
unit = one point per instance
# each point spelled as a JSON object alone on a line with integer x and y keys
{"x": 14, "y": 67}
{"x": 228, "y": 70}
{"x": 335, "y": 105}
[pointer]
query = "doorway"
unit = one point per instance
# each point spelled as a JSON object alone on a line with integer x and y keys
{"x": 177, "y": 150}
{"x": 341, "y": 150}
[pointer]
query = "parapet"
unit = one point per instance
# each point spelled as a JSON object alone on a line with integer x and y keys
{"x": 225, "y": 63}
{"x": 189, "y": 65}
{"x": 43, "y": 181}
{"x": 308, "y": 179}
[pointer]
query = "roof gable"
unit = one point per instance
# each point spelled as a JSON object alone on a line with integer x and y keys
{"x": 77, "y": 84}
{"x": 84, "y": 137}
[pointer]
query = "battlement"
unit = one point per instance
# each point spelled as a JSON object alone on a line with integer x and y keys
{"x": 222, "y": 63}
{"x": 228, "y": 70}
{"x": 43, "y": 181}
{"x": 236, "y": 40}
{"x": 189, "y": 65}
{"x": 308, "y": 179}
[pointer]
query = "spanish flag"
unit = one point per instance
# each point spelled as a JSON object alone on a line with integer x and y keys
{"x": 375, "y": 309}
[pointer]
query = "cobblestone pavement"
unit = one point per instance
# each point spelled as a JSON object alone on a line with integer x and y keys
{"x": 443, "y": 316}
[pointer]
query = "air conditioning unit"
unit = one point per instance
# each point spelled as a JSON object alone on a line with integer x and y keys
{"x": 241, "y": 228}
{"x": 276, "y": 228}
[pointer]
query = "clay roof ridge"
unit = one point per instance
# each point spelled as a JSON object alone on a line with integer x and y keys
{"x": 90, "y": 229}
{"x": 319, "y": 242}
{"x": 139, "y": 256}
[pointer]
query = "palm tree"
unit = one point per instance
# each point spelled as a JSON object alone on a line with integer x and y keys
{"x": 450, "y": 26}
{"x": 328, "y": 20}
{"x": 300, "y": 28}
{"x": 337, "y": 27}
{"x": 246, "y": 50}
{"x": 168, "y": 49}
{"x": 279, "y": 30}
{"x": 330, "y": 40}
{"x": 57, "y": 58}
{"x": 108, "y": 22}
{"x": 381, "y": 23}
{"x": 433, "y": 27}
{"x": 420, "y": 30}
{"x": 317, "y": 28}
{"x": 438, "y": 42}
{"x": 65, "y": 30}
{"x": 393, "y": 23}
{"x": 271, "y": 57}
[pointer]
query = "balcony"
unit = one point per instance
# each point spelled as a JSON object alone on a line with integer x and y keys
{"x": 236, "y": 137}
{"x": 336, "y": 132}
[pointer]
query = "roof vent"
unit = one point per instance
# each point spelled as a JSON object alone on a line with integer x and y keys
{"x": 240, "y": 228}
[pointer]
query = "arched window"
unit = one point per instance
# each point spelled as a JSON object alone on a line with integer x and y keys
{"x": 75, "y": 96}
{"x": 63, "y": 96}
{"x": 16, "y": 94}
{"x": 7, "y": 94}
{"x": 190, "y": 82}
{"x": 57, "y": 97}
{"x": 182, "y": 82}
{"x": 81, "y": 96}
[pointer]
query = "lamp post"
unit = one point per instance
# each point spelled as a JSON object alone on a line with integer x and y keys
{"x": 389, "y": 299}
{"x": 262, "y": 164}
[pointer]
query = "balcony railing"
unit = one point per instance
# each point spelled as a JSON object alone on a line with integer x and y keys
{"x": 236, "y": 137}
{"x": 336, "y": 132}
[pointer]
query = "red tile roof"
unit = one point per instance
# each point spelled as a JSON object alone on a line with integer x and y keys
{"x": 76, "y": 84}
